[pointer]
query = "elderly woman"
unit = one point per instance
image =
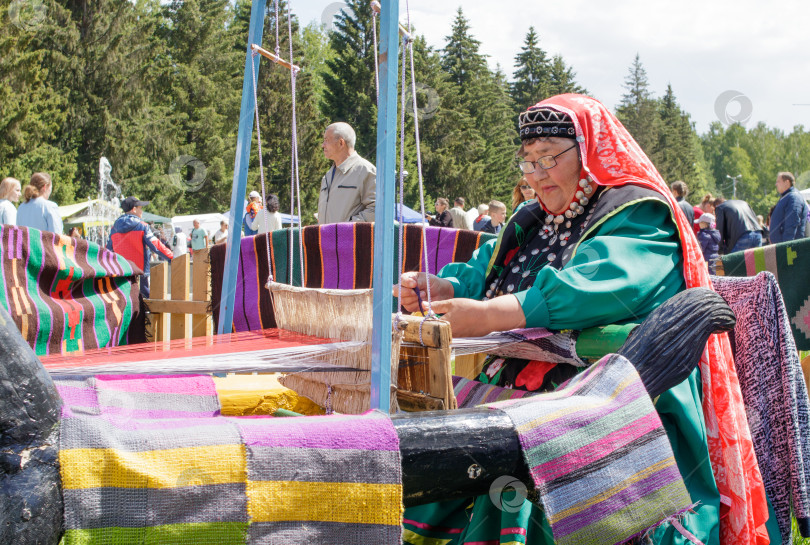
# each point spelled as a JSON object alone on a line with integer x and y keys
{"x": 600, "y": 246}
{"x": 522, "y": 194}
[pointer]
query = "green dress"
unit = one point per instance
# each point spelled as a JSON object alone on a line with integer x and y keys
{"x": 624, "y": 267}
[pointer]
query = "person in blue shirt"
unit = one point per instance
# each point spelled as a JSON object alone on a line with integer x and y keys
{"x": 37, "y": 211}
{"x": 790, "y": 214}
{"x": 9, "y": 194}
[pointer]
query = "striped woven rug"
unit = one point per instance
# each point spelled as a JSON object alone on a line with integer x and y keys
{"x": 65, "y": 294}
{"x": 599, "y": 456}
{"x": 149, "y": 460}
{"x": 338, "y": 255}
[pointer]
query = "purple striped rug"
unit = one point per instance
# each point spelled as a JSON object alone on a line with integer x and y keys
{"x": 599, "y": 456}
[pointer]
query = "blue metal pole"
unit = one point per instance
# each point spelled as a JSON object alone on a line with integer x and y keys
{"x": 240, "y": 170}
{"x": 384, "y": 209}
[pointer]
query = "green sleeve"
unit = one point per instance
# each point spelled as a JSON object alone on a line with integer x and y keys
{"x": 628, "y": 266}
{"x": 468, "y": 278}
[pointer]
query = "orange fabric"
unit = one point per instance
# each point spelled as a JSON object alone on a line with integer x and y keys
{"x": 612, "y": 157}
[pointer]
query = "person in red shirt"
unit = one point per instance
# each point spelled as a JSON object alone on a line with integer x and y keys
{"x": 132, "y": 239}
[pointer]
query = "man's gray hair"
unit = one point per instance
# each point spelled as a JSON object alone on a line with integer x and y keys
{"x": 344, "y": 131}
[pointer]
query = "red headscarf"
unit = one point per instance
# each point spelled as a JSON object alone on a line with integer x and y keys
{"x": 612, "y": 158}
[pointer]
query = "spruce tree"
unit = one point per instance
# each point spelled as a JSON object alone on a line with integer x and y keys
{"x": 205, "y": 86}
{"x": 638, "y": 110}
{"x": 350, "y": 88}
{"x": 460, "y": 57}
{"x": 532, "y": 73}
{"x": 33, "y": 110}
{"x": 562, "y": 78}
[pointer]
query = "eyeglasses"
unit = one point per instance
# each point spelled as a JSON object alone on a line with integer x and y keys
{"x": 546, "y": 162}
{"x": 525, "y": 187}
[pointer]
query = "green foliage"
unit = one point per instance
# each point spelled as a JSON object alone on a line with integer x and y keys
{"x": 33, "y": 109}
{"x": 350, "y": 88}
{"x": 156, "y": 87}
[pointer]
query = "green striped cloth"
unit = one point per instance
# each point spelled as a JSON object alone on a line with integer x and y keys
{"x": 66, "y": 295}
{"x": 789, "y": 262}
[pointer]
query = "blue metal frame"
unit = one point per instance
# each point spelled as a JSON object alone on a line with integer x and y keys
{"x": 386, "y": 188}
{"x": 384, "y": 209}
{"x": 240, "y": 170}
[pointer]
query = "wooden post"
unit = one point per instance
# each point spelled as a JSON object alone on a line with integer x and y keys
{"x": 202, "y": 325}
{"x": 159, "y": 283}
{"x": 470, "y": 365}
{"x": 181, "y": 323}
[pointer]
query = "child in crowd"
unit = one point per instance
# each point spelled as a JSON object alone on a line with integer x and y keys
{"x": 252, "y": 209}
{"x": 709, "y": 239}
{"x": 497, "y": 217}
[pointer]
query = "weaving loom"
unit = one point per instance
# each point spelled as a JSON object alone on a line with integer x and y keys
{"x": 133, "y": 472}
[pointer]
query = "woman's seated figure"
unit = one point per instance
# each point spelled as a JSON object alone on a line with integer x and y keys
{"x": 600, "y": 245}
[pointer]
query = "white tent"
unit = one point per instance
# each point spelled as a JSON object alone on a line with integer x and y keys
{"x": 209, "y": 222}
{"x": 806, "y": 194}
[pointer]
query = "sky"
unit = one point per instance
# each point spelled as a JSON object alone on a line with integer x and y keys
{"x": 727, "y": 60}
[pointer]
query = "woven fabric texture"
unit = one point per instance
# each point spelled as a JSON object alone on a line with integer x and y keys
{"x": 66, "y": 295}
{"x": 774, "y": 392}
{"x": 337, "y": 255}
{"x": 599, "y": 456}
{"x": 149, "y": 459}
{"x": 789, "y": 263}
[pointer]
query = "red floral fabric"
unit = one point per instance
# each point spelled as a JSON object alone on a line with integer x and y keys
{"x": 612, "y": 158}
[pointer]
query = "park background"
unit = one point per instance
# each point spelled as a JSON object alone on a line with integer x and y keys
{"x": 156, "y": 88}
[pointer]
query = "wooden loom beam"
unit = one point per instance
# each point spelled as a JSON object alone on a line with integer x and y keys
{"x": 276, "y": 59}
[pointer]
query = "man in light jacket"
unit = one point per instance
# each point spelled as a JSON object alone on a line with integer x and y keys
{"x": 349, "y": 188}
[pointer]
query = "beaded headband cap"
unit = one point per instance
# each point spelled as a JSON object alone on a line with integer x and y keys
{"x": 536, "y": 122}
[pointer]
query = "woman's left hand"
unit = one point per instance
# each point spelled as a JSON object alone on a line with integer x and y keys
{"x": 471, "y": 318}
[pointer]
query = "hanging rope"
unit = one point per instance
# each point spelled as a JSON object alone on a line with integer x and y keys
{"x": 278, "y": 45}
{"x": 295, "y": 184}
{"x": 261, "y": 161}
{"x": 375, "y": 10}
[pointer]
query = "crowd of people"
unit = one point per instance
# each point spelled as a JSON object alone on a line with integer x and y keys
{"x": 727, "y": 226}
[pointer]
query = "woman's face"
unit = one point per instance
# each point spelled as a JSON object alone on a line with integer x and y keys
{"x": 440, "y": 207}
{"x": 15, "y": 193}
{"x": 556, "y": 186}
{"x": 526, "y": 190}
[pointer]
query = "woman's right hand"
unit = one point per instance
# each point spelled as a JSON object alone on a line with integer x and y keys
{"x": 440, "y": 289}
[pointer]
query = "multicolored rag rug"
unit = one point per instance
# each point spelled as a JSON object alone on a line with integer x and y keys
{"x": 774, "y": 392}
{"x": 789, "y": 262}
{"x": 338, "y": 255}
{"x": 149, "y": 460}
{"x": 599, "y": 456}
{"x": 65, "y": 294}
{"x": 471, "y": 393}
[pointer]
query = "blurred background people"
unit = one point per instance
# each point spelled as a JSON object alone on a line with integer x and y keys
{"x": 9, "y": 194}
{"x": 37, "y": 211}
